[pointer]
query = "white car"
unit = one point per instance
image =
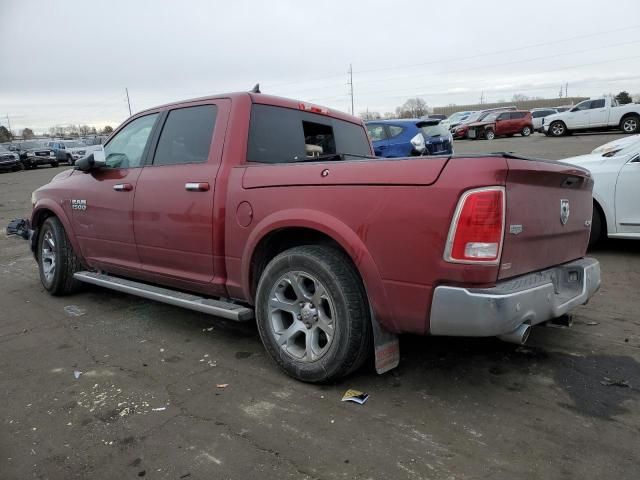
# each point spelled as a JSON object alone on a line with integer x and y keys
{"x": 71, "y": 150}
{"x": 615, "y": 168}
{"x": 594, "y": 114}
{"x": 537, "y": 114}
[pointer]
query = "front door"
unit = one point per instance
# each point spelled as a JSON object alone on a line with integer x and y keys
{"x": 174, "y": 210}
{"x": 628, "y": 197}
{"x": 102, "y": 200}
{"x": 578, "y": 116}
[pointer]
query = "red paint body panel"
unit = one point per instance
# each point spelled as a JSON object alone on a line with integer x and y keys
{"x": 392, "y": 217}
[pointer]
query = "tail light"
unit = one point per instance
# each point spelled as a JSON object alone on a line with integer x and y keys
{"x": 418, "y": 143}
{"x": 477, "y": 228}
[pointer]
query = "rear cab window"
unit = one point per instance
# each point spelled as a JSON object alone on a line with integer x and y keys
{"x": 285, "y": 135}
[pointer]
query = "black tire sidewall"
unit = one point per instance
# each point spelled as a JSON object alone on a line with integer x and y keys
{"x": 50, "y": 225}
{"x": 596, "y": 227}
{"x": 332, "y": 364}
{"x": 564, "y": 131}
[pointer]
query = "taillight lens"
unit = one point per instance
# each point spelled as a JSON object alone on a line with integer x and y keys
{"x": 477, "y": 229}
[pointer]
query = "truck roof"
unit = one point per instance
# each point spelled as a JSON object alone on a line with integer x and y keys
{"x": 265, "y": 99}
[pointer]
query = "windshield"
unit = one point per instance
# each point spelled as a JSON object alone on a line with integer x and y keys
{"x": 491, "y": 117}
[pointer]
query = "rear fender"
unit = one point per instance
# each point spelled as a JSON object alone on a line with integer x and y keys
{"x": 341, "y": 234}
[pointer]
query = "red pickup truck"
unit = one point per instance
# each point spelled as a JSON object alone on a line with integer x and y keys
{"x": 246, "y": 205}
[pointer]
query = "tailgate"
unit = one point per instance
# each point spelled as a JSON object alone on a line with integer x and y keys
{"x": 548, "y": 218}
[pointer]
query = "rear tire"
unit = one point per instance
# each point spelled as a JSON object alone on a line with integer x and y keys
{"x": 557, "y": 129}
{"x": 597, "y": 223}
{"x": 54, "y": 164}
{"x": 630, "y": 124}
{"x": 313, "y": 314}
{"x": 57, "y": 262}
{"x": 526, "y": 131}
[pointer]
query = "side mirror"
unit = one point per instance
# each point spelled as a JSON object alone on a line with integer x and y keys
{"x": 89, "y": 163}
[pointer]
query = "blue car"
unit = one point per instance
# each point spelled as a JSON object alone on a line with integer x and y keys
{"x": 409, "y": 137}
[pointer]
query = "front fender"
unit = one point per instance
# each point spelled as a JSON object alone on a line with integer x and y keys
{"x": 609, "y": 214}
{"x": 45, "y": 205}
{"x": 340, "y": 233}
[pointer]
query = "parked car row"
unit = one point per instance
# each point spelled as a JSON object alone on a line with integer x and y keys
{"x": 29, "y": 154}
{"x": 409, "y": 137}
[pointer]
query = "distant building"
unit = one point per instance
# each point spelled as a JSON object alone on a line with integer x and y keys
{"x": 523, "y": 105}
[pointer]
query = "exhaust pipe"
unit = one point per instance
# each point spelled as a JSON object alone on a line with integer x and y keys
{"x": 519, "y": 335}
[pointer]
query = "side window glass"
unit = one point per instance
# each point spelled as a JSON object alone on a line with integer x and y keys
{"x": 597, "y": 103}
{"x": 394, "y": 131}
{"x": 186, "y": 136}
{"x": 376, "y": 132}
{"x": 126, "y": 148}
{"x": 503, "y": 116}
{"x": 583, "y": 105}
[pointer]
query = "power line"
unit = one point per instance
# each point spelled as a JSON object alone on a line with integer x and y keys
{"x": 454, "y": 59}
{"x": 377, "y": 92}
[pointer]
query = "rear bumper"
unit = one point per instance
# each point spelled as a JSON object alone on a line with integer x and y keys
{"x": 531, "y": 299}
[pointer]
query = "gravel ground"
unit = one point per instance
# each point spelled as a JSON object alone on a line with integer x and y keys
{"x": 146, "y": 403}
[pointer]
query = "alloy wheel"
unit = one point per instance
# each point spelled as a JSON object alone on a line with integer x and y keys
{"x": 48, "y": 255}
{"x": 301, "y": 316}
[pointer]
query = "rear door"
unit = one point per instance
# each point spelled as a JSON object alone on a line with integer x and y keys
{"x": 399, "y": 141}
{"x": 598, "y": 113}
{"x": 174, "y": 211}
{"x": 549, "y": 207}
{"x": 379, "y": 138}
{"x": 628, "y": 197}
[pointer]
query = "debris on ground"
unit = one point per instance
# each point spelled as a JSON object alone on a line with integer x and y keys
{"x": 592, "y": 323}
{"x": 77, "y": 373}
{"x": 159, "y": 409}
{"x": 74, "y": 310}
{"x": 607, "y": 382}
{"x": 222, "y": 385}
{"x": 19, "y": 227}
{"x": 355, "y": 396}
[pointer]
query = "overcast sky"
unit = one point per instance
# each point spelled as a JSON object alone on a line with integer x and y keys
{"x": 67, "y": 62}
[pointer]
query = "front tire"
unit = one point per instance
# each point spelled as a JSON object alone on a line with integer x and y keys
{"x": 526, "y": 131}
{"x": 313, "y": 314}
{"x": 557, "y": 129}
{"x": 630, "y": 124}
{"x": 489, "y": 134}
{"x": 57, "y": 262}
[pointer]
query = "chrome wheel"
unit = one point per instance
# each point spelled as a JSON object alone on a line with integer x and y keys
{"x": 557, "y": 129}
{"x": 490, "y": 135}
{"x": 526, "y": 131}
{"x": 302, "y": 316}
{"x": 48, "y": 256}
{"x": 630, "y": 125}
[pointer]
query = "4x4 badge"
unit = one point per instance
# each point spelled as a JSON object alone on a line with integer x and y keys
{"x": 564, "y": 211}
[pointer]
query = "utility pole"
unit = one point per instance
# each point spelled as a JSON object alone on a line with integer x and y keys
{"x": 482, "y": 97}
{"x": 128, "y": 102}
{"x": 351, "y": 86}
{"x": 566, "y": 90}
{"x": 560, "y": 96}
{"x": 9, "y": 125}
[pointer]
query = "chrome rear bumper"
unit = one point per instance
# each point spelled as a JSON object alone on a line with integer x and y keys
{"x": 529, "y": 299}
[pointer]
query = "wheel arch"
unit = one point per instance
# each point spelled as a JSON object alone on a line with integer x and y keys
{"x": 44, "y": 209}
{"x": 597, "y": 205}
{"x": 295, "y": 227}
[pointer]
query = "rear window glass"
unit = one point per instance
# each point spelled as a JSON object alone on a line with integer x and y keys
{"x": 283, "y": 135}
{"x": 394, "y": 131}
{"x": 434, "y": 130}
{"x": 376, "y": 132}
{"x": 186, "y": 136}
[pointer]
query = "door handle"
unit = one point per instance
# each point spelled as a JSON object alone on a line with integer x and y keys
{"x": 123, "y": 187}
{"x": 196, "y": 186}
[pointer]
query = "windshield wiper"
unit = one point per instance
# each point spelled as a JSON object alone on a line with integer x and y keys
{"x": 333, "y": 156}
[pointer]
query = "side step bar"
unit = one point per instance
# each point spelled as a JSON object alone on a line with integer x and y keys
{"x": 227, "y": 310}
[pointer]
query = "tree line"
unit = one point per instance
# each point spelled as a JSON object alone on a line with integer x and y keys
{"x": 73, "y": 131}
{"x": 417, "y": 107}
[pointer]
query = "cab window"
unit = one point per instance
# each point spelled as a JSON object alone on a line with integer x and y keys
{"x": 186, "y": 136}
{"x": 126, "y": 149}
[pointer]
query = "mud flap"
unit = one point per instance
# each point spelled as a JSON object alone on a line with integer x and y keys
{"x": 386, "y": 347}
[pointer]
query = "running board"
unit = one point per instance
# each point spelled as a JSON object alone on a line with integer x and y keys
{"x": 227, "y": 310}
